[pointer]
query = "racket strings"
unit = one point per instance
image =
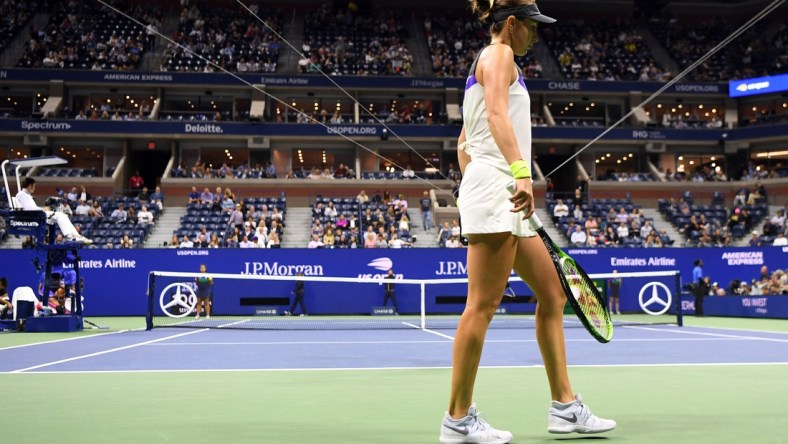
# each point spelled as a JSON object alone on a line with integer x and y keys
{"x": 586, "y": 295}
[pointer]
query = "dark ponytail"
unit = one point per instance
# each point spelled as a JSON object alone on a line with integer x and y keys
{"x": 482, "y": 8}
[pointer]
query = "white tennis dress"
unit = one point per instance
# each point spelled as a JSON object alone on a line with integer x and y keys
{"x": 484, "y": 199}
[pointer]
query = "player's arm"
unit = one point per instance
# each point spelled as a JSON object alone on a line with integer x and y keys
{"x": 497, "y": 74}
{"x": 463, "y": 158}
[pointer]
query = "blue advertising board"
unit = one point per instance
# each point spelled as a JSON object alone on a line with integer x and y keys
{"x": 319, "y": 81}
{"x": 758, "y": 85}
{"x": 116, "y": 280}
{"x": 208, "y": 129}
{"x": 739, "y": 306}
{"x": 223, "y": 129}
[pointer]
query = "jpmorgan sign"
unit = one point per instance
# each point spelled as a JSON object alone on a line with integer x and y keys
{"x": 277, "y": 269}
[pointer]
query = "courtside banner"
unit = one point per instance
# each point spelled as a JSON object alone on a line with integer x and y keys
{"x": 758, "y": 85}
{"x": 207, "y": 129}
{"x": 739, "y": 306}
{"x": 116, "y": 280}
{"x": 319, "y": 81}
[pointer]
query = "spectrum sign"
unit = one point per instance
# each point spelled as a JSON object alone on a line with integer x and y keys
{"x": 758, "y": 85}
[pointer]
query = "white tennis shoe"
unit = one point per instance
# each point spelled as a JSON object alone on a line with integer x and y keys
{"x": 78, "y": 238}
{"x": 471, "y": 429}
{"x": 576, "y": 417}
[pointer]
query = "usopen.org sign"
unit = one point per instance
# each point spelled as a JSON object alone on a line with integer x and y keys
{"x": 352, "y": 130}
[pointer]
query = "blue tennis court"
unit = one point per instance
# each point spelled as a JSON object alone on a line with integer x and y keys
{"x": 203, "y": 349}
{"x": 704, "y": 382}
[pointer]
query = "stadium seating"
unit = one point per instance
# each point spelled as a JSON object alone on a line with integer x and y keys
{"x": 600, "y": 209}
{"x": 68, "y": 172}
{"x": 81, "y": 36}
{"x": 344, "y": 43}
{"x": 602, "y": 51}
{"x": 383, "y": 217}
{"x": 454, "y": 40}
{"x": 215, "y": 222}
{"x": 624, "y": 176}
{"x": 693, "y": 220}
{"x": 230, "y": 38}
{"x": 746, "y": 56}
{"x": 16, "y": 14}
{"x": 235, "y": 172}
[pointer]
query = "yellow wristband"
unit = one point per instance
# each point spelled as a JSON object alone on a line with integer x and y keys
{"x": 520, "y": 170}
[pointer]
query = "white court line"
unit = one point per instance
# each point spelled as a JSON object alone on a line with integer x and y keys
{"x": 290, "y": 343}
{"x": 427, "y": 330}
{"x": 65, "y": 339}
{"x": 370, "y": 369}
{"x": 233, "y": 323}
{"x": 719, "y": 335}
{"x": 500, "y": 341}
{"x": 752, "y": 330}
{"x": 112, "y": 350}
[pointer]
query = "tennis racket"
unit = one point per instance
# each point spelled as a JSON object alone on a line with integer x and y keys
{"x": 580, "y": 291}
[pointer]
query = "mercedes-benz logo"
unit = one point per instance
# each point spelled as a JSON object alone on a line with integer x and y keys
{"x": 179, "y": 303}
{"x": 659, "y": 294}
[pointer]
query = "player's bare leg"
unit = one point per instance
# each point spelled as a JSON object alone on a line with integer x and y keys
{"x": 534, "y": 266}
{"x": 490, "y": 258}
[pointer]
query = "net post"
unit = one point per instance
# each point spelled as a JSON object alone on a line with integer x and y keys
{"x": 149, "y": 314}
{"x": 423, "y": 286}
{"x": 76, "y": 301}
{"x": 679, "y": 316}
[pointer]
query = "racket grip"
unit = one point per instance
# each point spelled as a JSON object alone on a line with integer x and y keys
{"x": 533, "y": 220}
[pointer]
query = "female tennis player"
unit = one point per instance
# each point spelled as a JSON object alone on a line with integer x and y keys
{"x": 495, "y": 147}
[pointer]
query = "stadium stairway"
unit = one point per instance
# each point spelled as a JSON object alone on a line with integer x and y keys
{"x": 13, "y": 243}
{"x": 288, "y": 59}
{"x": 660, "y": 54}
{"x": 424, "y": 239}
{"x": 660, "y": 222}
{"x": 169, "y": 221}
{"x": 151, "y": 60}
{"x": 550, "y": 68}
{"x": 422, "y": 60}
{"x": 298, "y": 226}
{"x": 16, "y": 47}
{"x": 550, "y": 228}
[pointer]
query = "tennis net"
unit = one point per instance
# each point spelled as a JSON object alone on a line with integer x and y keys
{"x": 244, "y": 301}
